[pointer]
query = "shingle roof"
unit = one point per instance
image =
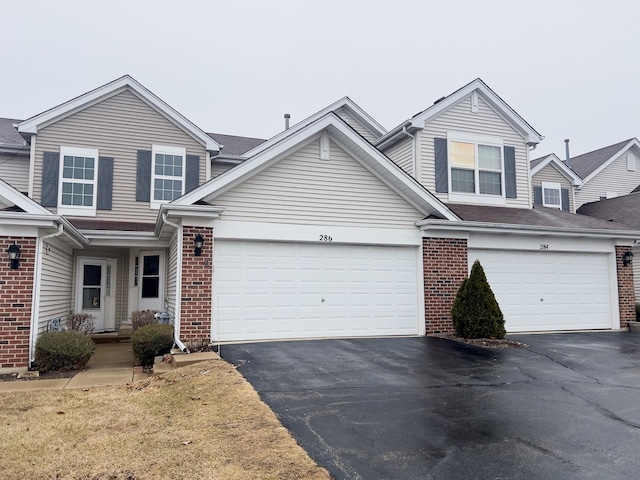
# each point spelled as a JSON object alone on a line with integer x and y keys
{"x": 235, "y": 145}
{"x": 9, "y": 136}
{"x": 538, "y": 216}
{"x": 587, "y": 163}
{"x": 536, "y": 161}
{"x": 624, "y": 209}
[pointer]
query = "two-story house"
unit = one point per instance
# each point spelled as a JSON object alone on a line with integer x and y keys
{"x": 313, "y": 233}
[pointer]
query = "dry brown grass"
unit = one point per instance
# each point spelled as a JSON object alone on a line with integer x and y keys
{"x": 199, "y": 422}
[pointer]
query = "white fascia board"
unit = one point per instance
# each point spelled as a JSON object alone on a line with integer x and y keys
{"x": 497, "y": 228}
{"x": 50, "y": 221}
{"x": 632, "y": 144}
{"x": 30, "y": 126}
{"x": 530, "y": 135}
{"x": 207, "y": 212}
{"x": 560, "y": 165}
{"x": 13, "y": 196}
{"x": 343, "y": 102}
{"x": 102, "y": 238}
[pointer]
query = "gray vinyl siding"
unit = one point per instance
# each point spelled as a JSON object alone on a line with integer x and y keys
{"x": 56, "y": 283}
{"x": 402, "y": 154}
{"x": 118, "y": 127}
{"x": 220, "y": 168}
{"x": 614, "y": 178}
{"x": 552, "y": 174}
{"x": 14, "y": 169}
{"x": 459, "y": 118}
{"x": 302, "y": 189}
{"x": 172, "y": 274}
{"x": 356, "y": 125}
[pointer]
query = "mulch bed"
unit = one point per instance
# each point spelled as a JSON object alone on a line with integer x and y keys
{"x": 482, "y": 342}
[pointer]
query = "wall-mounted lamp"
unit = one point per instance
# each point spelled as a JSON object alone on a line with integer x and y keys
{"x": 199, "y": 240}
{"x": 626, "y": 258}
{"x": 14, "y": 253}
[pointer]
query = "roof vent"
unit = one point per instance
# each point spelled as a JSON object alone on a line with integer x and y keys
{"x": 567, "y": 160}
{"x": 286, "y": 121}
{"x": 439, "y": 100}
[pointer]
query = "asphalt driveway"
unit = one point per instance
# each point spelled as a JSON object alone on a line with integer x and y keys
{"x": 567, "y": 407}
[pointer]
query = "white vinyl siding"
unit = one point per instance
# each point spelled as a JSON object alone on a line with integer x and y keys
{"x": 613, "y": 178}
{"x": 552, "y": 175}
{"x": 402, "y": 155}
{"x": 56, "y": 284}
{"x": 219, "y": 168}
{"x": 356, "y": 125}
{"x": 118, "y": 127}
{"x": 172, "y": 274}
{"x": 302, "y": 189}
{"x": 459, "y": 118}
{"x": 14, "y": 169}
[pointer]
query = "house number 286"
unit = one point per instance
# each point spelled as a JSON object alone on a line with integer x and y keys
{"x": 325, "y": 238}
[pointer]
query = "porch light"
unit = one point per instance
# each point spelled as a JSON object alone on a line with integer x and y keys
{"x": 14, "y": 253}
{"x": 626, "y": 258}
{"x": 199, "y": 240}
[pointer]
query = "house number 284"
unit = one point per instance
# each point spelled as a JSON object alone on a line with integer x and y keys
{"x": 544, "y": 246}
{"x": 325, "y": 238}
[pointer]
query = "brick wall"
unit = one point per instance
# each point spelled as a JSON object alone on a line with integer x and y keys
{"x": 445, "y": 268}
{"x": 16, "y": 289}
{"x": 626, "y": 294}
{"x": 195, "y": 309}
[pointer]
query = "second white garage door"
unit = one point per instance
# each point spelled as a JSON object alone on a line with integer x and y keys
{"x": 270, "y": 290}
{"x": 539, "y": 291}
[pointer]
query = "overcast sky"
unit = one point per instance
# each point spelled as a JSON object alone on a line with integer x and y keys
{"x": 568, "y": 67}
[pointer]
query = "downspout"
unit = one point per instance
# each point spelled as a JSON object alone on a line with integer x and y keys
{"x": 176, "y": 317}
{"x": 35, "y": 301}
{"x": 413, "y": 151}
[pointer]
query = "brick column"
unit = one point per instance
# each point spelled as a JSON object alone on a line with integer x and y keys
{"x": 16, "y": 295}
{"x": 445, "y": 268}
{"x": 626, "y": 294}
{"x": 196, "y": 289}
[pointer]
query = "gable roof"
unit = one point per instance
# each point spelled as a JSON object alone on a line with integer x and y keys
{"x": 591, "y": 163}
{"x": 530, "y": 135}
{"x": 349, "y": 105}
{"x": 10, "y": 140}
{"x": 539, "y": 163}
{"x": 30, "y": 126}
{"x": 371, "y": 158}
{"x": 10, "y": 196}
{"x": 234, "y": 144}
{"x": 624, "y": 209}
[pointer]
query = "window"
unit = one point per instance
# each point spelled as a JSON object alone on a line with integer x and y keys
{"x": 475, "y": 165}
{"x": 168, "y": 173}
{"x": 551, "y": 196}
{"x": 631, "y": 162}
{"x": 78, "y": 180}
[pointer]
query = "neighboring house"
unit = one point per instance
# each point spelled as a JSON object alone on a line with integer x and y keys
{"x": 14, "y": 155}
{"x": 553, "y": 183}
{"x": 607, "y": 172}
{"x": 313, "y": 233}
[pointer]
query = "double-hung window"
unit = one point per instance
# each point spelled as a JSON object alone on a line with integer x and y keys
{"x": 551, "y": 195}
{"x": 78, "y": 181}
{"x": 167, "y": 173}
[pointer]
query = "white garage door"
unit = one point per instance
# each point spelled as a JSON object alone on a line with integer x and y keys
{"x": 540, "y": 291}
{"x": 286, "y": 290}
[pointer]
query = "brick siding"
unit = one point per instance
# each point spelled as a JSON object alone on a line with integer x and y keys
{"x": 626, "y": 294}
{"x": 445, "y": 268}
{"x": 196, "y": 296}
{"x": 16, "y": 289}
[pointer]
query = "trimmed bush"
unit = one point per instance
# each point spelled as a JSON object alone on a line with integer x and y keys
{"x": 140, "y": 318}
{"x": 63, "y": 351}
{"x": 151, "y": 341}
{"x": 475, "y": 312}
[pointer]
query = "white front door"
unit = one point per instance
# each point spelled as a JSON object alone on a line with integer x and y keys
{"x": 90, "y": 296}
{"x": 151, "y": 286}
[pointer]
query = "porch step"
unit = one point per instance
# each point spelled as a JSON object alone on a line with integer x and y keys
{"x": 182, "y": 360}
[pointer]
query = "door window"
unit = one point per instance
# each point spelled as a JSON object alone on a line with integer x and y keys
{"x": 91, "y": 283}
{"x": 151, "y": 276}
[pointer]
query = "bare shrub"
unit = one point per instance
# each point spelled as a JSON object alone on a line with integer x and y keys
{"x": 140, "y": 318}
{"x": 81, "y": 322}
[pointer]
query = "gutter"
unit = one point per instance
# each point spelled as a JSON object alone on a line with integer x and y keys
{"x": 413, "y": 151}
{"x": 35, "y": 301}
{"x": 176, "y": 317}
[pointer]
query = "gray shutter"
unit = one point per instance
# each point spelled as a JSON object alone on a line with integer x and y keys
{"x": 105, "y": 183}
{"x": 442, "y": 167}
{"x": 537, "y": 195}
{"x": 565, "y": 199}
{"x": 192, "y": 178}
{"x": 50, "y": 173}
{"x": 510, "y": 172}
{"x": 143, "y": 176}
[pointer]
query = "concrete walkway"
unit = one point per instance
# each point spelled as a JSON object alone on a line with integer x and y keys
{"x": 111, "y": 364}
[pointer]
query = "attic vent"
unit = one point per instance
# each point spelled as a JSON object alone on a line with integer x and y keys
{"x": 631, "y": 162}
{"x": 439, "y": 100}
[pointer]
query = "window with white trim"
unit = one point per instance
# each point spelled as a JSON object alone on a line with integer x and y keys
{"x": 78, "y": 181}
{"x": 476, "y": 166}
{"x": 167, "y": 173}
{"x": 551, "y": 195}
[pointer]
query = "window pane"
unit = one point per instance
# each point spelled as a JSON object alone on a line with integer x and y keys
{"x": 92, "y": 274}
{"x": 490, "y": 183}
{"x": 68, "y": 161}
{"x": 462, "y": 181}
{"x": 552, "y": 196}
{"x": 90, "y": 298}
{"x": 462, "y": 154}
{"x": 150, "y": 287}
{"x": 151, "y": 265}
{"x": 489, "y": 157}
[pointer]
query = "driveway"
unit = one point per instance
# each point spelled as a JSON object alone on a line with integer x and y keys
{"x": 566, "y": 407}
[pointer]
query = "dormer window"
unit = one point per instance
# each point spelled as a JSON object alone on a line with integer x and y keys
{"x": 551, "y": 196}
